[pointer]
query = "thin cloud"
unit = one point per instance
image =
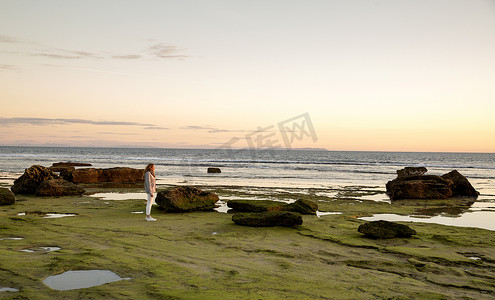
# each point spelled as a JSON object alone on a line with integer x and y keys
{"x": 7, "y": 39}
{"x": 48, "y": 121}
{"x": 162, "y": 50}
{"x": 8, "y": 67}
{"x": 209, "y": 129}
{"x": 57, "y": 53}
{"x": 129, "y": 57}
{"x": 156, "y": 128}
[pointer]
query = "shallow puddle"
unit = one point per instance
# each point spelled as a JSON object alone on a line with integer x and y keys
{"x": 11, "y": 238}
{"x": 478, "y": 219}
{"x": 319, "y": 214}
{"x": 41, "y": 249}
{"x": 137, "y": 212}
{"x": 8, "y": 289}
{"x": 72, "y": 280}
{"x": 119, "y": 196}
{"x": 54, "y": 216}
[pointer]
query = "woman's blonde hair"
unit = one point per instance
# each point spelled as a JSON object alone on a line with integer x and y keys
{"x": 148, "y": 169}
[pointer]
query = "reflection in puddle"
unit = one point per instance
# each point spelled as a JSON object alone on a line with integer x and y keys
{"x": 41, "y": 249}
{"x": 478, "y": 219}
{"x": 326, "y": 213}
{"x": 8, "y": 289}
{"x": 54, "y": 216}
{"x": 119, "y": 196}
{"x": 474, "y": 258}
{"x": 11, "y": 238}
{"x": 72, "y": 280}
{"x": 221, "y": 206}
{"x": 137, "y": 212}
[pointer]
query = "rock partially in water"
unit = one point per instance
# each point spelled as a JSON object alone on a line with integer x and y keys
{"x": 6, "y": 197}
{"x": 268, "y": 219}
{"x": 419, "y": 187}
{"x": 214, "y": 170}
{"x": 185, "y": 199}
{"x": 460, "y": 185}
{"x": 302, "y": 206}
{"x": 58, "y": 187}
{"x": 256, "y": 205}
{"x": 385, "y": 230}
{"x": 72, "y": 280}
{"x": 31, "y": 179}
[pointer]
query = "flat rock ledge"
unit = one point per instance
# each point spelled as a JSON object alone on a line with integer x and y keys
{"x": 302, "y": 206}
{"x": 385, "y": 230}
{"x": 268, "y": 219}
{"x": 58, "y": 187}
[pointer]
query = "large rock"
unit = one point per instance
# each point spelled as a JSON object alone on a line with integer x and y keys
{"x": 256, "y": 205}
{"x": 31, "y": 179}
{"x": 268, "y": 219}
{"x": 6, "y": 197}
{"x": 460, "y": 185}
{"x": 58, "y": 187}
{"x": 385, "y": 230}
{"x": 419, "y": 187}
{"x": 411, "y": 171}
{"x": 185, "y": 198}
{"x": 302, "y": 206}
{"x": 93, "y": 175}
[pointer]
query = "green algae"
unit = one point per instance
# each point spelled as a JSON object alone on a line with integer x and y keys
{"x": 204, "y": 255}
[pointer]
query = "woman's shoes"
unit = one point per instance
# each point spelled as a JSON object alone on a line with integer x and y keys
{"x": 150, "y": 218}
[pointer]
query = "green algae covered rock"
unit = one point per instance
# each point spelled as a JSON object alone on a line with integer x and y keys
{"x": 6, "y": 197}
{"x": 255, "y": 205}
{"x": 302, "y": 206}
{"x": 185, "y": 199}
{"x": 58, "y": 187}
{"x": 385, "y": 230}
{"x": 31, "y": 179}
{"x": 268, "y": 219}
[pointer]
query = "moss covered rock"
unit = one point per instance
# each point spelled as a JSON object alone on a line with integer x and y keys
{"x": 256, "y": 205}
{"x": 186, "y": 198}
{"x": 303, "y": 206}
{"x": 385, "y": 230}
{"x": 58, "y": 187}
{"x": 268, "y": 219}
{"x": 6, "y": 197}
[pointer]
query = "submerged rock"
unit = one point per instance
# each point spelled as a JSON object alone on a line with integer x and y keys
{"x": 214, "y": 170}
{"x": 256, "y": 205}
{"x": 385, "y": 230}
{"x": 268, "y": 219}
{"x": 58, "y": 187}
{"x": 460, "y": 185}
{"x": 31, "y": 179}
{"x": 6, "y": 197}
{"x": 93, "y": 175}
{"x": 186, "y": 198}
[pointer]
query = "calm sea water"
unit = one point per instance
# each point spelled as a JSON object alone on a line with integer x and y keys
{"x": 266, "y": 168}
{"x": 277, "y": 168}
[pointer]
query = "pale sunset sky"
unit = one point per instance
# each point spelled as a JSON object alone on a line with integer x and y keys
{"x": 386, "y": 75}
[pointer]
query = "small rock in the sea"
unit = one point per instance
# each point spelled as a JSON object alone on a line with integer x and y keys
{"x": 214, "y": 170}
{"x": 411, "y": 171}
{"x": 385, "y": 230}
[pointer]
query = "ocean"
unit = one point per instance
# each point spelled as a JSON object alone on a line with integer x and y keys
{"x": 279, "y": 170}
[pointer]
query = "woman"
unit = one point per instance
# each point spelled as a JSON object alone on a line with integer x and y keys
{"x": 150, "y": 189}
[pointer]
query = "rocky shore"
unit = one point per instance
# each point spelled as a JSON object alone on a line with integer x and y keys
{"x": 205, "y": 255}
